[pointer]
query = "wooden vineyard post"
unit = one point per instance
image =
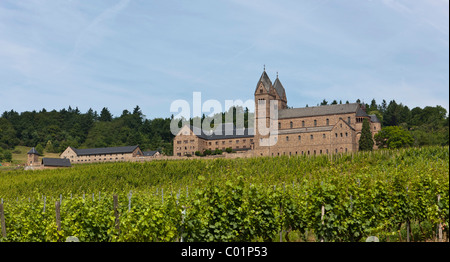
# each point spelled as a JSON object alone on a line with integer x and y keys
{"x": 407, "y": 230}
{"x": 408, "y": 223}
{"x": 2, "y": 219}
{"x": 116, "y": 212}
{"x": 129, "y": 201}
{"x": 281, "y": 215}
{"x": 281, "y": 229}
{"x": 183, "y": 214}
{"x": 321, "y": 218}
{"x": 58, "y": 217}
{"x": 440, "y": 224}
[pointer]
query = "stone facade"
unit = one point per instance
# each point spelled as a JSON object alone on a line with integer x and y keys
{"x": 33, "y": 162}
{"x": 186, "y": 142}
{"x": 325, "y": 129}
{"x": 33, "y": 158}
{"x": 80, "y": 156}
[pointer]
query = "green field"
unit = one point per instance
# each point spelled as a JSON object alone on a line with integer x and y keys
{"x": 381, "y": 193}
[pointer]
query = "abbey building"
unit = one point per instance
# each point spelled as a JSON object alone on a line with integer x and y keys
{"x": 315, "y": 130}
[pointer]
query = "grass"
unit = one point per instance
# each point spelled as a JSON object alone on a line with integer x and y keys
{"x": 20, "y": 156}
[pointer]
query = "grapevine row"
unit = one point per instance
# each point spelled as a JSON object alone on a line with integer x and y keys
{"x": 338, "y": 198}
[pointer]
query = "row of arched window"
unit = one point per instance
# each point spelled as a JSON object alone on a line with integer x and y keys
{"x": 291, "y": 124}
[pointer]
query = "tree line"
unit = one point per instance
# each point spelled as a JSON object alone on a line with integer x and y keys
{"x": 53, "y": 131}
{"x": 409, "y": 127}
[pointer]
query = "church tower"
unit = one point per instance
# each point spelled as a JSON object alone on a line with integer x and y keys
{"x": 265, "y": 92}
{"x": 33, "y": 158}
{"x": 280, "y": 94}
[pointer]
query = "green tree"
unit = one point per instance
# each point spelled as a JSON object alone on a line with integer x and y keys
{"x": 8, "y": 137}
{"x": 40, "y": 149}
{"x": 105, "y": 115}
{"x": 373, "y": 105}
{"x": 366, "y": 141}
{"x": 382, "y": 108}
{"x": 396, "y": 114}
{"x": 393, "y": 137}
{"x": 7, "y": 156}
{"x": 134, "y": 138}
{"x": 429, "y": 117}
{"x": 49, "y": 147}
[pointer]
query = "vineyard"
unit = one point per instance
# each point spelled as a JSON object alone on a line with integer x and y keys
{"x": 395, "y": 195}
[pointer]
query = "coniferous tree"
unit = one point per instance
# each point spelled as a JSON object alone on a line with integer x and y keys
{"x": 105, "y": 115}
{"x": 40, "y": 149}
{"x": 366, "y": 141}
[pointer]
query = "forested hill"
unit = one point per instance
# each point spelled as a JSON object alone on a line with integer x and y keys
{"x": 54, "y": 130}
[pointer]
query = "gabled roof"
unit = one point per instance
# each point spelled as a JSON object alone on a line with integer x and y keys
{"x": 279, "y": 88}
{"x": 265, "y": 80}
{"x": 229, "y": 131}
{"x": 33, "y": 151}
{"x": 319, "y": 110}
{"x": 150, "y": 153}
{"x": 361, "y": 112}
{"x": 56, "y": 162}
{"x": 374, "y": 119}
{"x": 345, "y": 122}
{"x": 105, "y": 150}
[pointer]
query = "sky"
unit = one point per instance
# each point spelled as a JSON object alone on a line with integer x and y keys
{"x": 123, "y": 53}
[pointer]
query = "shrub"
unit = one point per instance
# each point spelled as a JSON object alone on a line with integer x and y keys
{"x": 207, "y": 152}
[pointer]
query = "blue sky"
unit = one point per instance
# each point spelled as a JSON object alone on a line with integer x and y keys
{"x": 123, "y": 53}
